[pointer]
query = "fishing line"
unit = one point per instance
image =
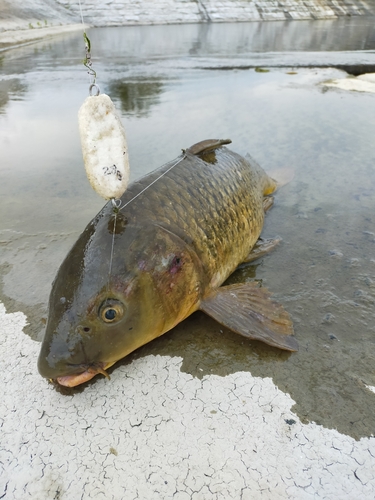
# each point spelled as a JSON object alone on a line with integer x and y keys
{"x": 117, "y": 208}
{"x": 112, "y": 249}
{"x": 106, "y": 164}
{"x": 87, "y": 61}
{"x": 80, "y": 10}
{"x": 94, "y": 89}
{"x": 153, "y": 182}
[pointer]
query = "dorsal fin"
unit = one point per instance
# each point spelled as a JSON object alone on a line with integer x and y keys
{"x": 207, "y": 145}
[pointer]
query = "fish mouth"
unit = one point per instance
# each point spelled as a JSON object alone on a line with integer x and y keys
{"x": 84, "y": 376}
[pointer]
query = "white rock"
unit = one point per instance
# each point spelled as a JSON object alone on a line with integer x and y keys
{"x": 353, "y": 84}
{"x": 104, "y": 147}
{"x": 367, "y": 77}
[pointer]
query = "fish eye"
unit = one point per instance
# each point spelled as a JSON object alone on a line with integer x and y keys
{"x": 111, "y": 311}
{"x": 110, "y": 314}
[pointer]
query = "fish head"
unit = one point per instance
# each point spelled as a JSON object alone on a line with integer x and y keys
{"x": 115, "y": 291}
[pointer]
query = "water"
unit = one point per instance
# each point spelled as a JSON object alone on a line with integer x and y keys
{"x": 176, "y": 85}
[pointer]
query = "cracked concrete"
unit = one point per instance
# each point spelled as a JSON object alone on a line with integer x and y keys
{"x": 156, "y": 432}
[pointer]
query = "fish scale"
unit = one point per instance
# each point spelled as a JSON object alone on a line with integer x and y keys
{"x": 213, "y": 205}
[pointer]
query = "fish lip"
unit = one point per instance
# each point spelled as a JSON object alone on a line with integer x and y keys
{"x": 86, "y": 373}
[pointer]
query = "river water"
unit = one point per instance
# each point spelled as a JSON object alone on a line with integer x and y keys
{"x": 177, "y": 85}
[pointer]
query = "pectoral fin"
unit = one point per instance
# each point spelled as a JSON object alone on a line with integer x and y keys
{"x": 248, "y": 310}
{"x": 268, "y": 202}
{"x": 262, "y": 247}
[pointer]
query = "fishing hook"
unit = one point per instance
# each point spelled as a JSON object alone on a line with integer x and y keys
{"x": 94, "y": 88}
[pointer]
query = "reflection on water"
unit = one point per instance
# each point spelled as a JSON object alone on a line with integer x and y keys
{"x": 234, "y": 39}
{"x": 137, "y": 51}
{"x": 136, "y": 97}
{"x": 11, "y": 89}
{"x": 323, "y": 272}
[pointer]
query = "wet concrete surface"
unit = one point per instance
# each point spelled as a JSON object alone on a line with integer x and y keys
{"x": 323, "y": 272}
{"x": 155, "y": 431}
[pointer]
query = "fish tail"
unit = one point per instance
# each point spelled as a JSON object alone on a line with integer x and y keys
{"x": 269, "y": 185}
{"x": 282, "y": 176}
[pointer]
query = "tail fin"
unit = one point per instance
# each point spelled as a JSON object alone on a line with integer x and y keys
{"x": 269, "y": 184}
{"x": 282, "y": 176}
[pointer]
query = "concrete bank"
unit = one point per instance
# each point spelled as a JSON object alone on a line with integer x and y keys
{"x": 26, "y": 21}
{"x": 15, "y": 38}
{"x": 120, "y": 12}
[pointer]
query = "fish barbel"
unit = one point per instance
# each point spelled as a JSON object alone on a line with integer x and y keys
{"x": 180, "y": 233}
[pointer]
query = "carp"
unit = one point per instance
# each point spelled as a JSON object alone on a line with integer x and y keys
{"x": 139, "y": 269}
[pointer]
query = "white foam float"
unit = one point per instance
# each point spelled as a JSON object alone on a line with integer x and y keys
{"x": 104, "y": 146}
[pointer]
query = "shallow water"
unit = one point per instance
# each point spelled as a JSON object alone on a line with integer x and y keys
{"x": 172, "y": 91}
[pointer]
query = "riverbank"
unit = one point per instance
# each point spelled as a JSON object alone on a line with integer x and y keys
{"x": 121, "y": 12}
{"x": 27, "y": 21}
{"x": 15, "y": 38}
